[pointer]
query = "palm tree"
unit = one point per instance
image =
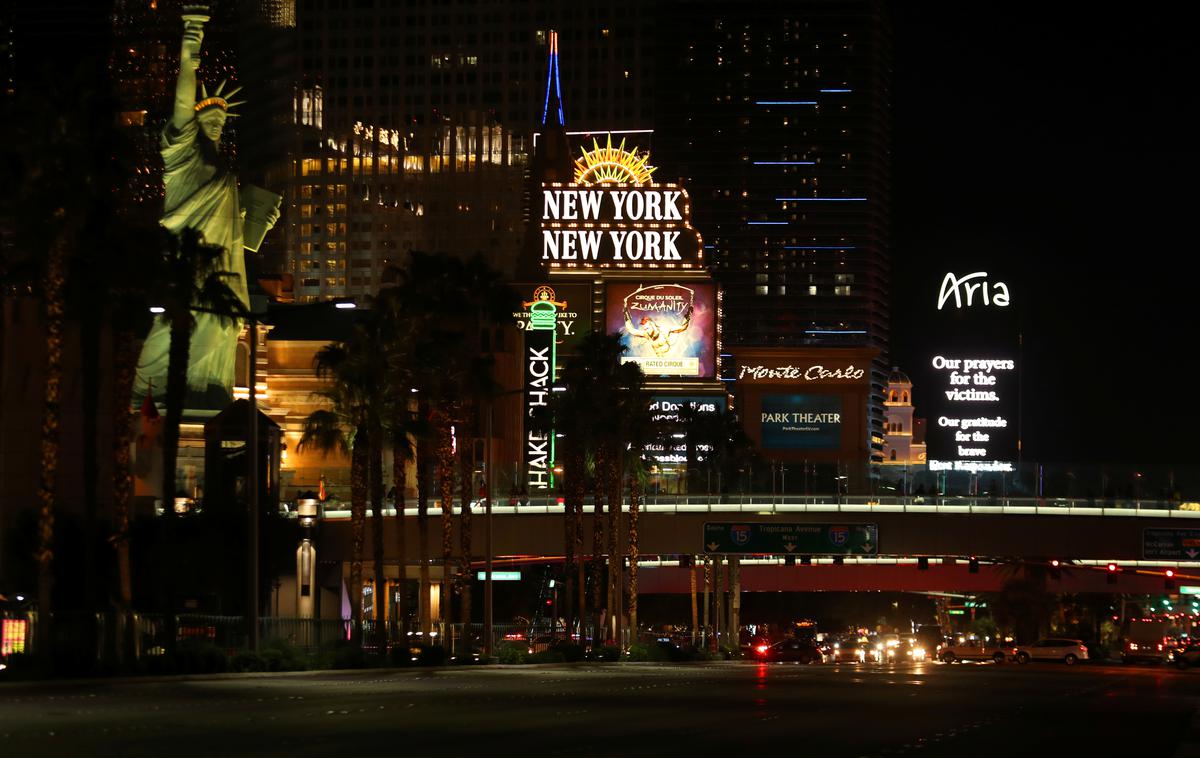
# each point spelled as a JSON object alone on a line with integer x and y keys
{"x": 346, "y": 427}
{"x": 189, "y": 282}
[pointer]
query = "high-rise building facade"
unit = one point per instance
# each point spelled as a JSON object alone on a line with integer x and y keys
{"x": 415, "y": 121}
{"x": 776, "y": 115}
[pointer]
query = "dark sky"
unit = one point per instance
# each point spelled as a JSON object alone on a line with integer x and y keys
{"x": 1063, "y": 147}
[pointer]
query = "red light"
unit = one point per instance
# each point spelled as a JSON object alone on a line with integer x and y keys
{"x": 549, "y": 602}
{"x": 762, "y": 649}
{"x": 1112, "y": 568}
{"x": 1055, "y": 563}
{"x": 1170, "y": 573}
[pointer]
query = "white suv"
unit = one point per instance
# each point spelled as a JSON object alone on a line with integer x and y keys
{"x": 1068, "y": 651}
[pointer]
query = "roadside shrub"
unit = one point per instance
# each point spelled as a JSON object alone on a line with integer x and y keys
{"x": 606, "y": 653}
{"x": 548, "y": 656}
{"x": 513, "y": 654}
{"x": 196, "y": 656}
{"x": 247, "y": 660}
{"x": 647, "y": 652}
{"x": 571, "y": 652}
{"x": 431, "y": 655}
{"x": 281, "y": 655}
{"x": 342, "y": 655}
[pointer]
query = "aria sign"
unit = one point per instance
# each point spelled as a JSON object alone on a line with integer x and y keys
{"x": 643, "y": 226}
{"x": 964, "y": 289}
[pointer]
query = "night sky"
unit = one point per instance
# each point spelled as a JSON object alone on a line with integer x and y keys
{"x": 1064, "y": 147}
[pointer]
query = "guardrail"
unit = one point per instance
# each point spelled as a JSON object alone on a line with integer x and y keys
{"x": 771, "y": 504}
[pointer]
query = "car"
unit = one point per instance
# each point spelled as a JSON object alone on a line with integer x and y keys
{"x": 971, "y": 650}
{"x": 1186, "y": 656}
{"x": 850, "y": 650}
{"x": 1068, "y": 651}
{"x": 790, "y": 650}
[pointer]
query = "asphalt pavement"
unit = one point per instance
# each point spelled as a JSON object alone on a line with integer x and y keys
{"x": 930, "y": 709}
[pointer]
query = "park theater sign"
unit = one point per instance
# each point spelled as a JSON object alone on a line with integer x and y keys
{"x": 611, "y": 216}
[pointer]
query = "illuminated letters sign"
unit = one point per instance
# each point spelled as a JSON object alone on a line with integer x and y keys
{"x": 972, "y": 401}
{"x": 539, "y": 381}
{"x": 814, "y": 373}
{"x": 644, "y": 226}
{"x": 572, "y": 318}
{"x": 801, "y": 422}
{"x": 964, "y": 290}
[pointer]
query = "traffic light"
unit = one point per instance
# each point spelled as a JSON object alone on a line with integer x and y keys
{"x": 1112, "y": 573}
{"x": 973, "y": 566}
{"x": 1055, "y": 565}
{"x": 923, "y": 564}
{"x": 1169, "y": 579}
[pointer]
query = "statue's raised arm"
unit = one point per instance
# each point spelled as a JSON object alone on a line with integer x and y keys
{"x": 194, "y": 19}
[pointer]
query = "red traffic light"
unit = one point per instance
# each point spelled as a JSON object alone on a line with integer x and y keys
{"x": 1055, "y": 563}
{"x": 1112, "y": 568}
{"x": 1169, "y": 573}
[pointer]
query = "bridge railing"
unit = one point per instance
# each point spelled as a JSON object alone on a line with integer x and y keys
{"x": 769, "y": 503}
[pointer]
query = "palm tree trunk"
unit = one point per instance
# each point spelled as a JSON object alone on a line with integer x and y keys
{"x": 126, "y": 371}
{"x": 177, "y": 365}
{"x": 90, "y": 359}
{"x": 53, "y": 294}
{"x": 616, "y": 580}
{"x": 464, "y": 533}
{"x": 445, "y": 476}
{"x": 359, "y": 474}
{"x": 596, "y": 565}
{"x": 424, "y": 469}
{"x": 568, "y": 605}
{"x": 635, "y": 494}
{"x": 375, "y": 449}
{"x": 400, "y": 482}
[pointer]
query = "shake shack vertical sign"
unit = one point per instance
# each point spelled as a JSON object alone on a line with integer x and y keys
{"x": 645, "y": 226}
{"x": 539, "y": 376}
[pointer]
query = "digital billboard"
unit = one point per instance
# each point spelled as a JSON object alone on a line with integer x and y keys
{"x": 667, "y": 329}
{"x": 573, "y": 310}
{"x": 801, "y": 422}
{"x": 973, "y": 368}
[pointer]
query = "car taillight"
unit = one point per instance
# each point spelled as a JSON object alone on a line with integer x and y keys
{"x": 762, "y": 649}
{"x": 1133, "y": 646}
{"x": 1160, "y": 648}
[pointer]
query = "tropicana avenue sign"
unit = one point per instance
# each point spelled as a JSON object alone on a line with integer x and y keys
{"x": 624, "y": 226}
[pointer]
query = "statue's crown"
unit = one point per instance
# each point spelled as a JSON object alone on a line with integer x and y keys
{"x": 216, "y": 100}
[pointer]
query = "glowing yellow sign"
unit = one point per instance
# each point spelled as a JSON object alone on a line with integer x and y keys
{"x": 612, "y": 165}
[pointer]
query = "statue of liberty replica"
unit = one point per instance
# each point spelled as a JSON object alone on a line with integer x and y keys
{"x": 202, "y": 195}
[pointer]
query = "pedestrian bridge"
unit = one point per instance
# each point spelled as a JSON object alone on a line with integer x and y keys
{"x": 984, "y": 527}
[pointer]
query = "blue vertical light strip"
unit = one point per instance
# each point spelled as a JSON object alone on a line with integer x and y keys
{"x": 558, "y": 81}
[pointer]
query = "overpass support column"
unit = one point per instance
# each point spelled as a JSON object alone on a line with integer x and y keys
{"x": 735, "y": 602}
{"x": 692, "y": 593}
{"x": 720, "y": 587}
{"x": 708, "y": 583}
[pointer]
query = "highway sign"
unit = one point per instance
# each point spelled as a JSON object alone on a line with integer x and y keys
{"x": 748, "y": 537}
{"x": 1171, "y": 544}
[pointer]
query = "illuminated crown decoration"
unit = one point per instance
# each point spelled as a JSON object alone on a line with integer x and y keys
{"x": 219, "y": 100}
{"x": 612, "y": 165}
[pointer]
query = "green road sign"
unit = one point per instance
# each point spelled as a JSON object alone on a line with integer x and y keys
{"x": 1171, "y": 544}
{"x": 795, "y": 539}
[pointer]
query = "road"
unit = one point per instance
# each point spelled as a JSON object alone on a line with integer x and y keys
{"x": 929, "y": 709}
